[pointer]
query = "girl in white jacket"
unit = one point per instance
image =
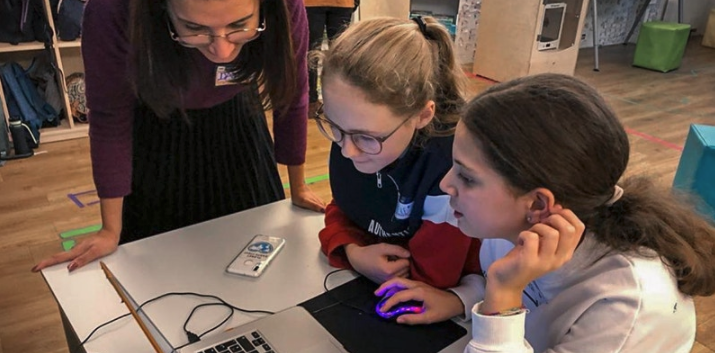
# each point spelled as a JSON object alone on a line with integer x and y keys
{"x": 573, "y": 259}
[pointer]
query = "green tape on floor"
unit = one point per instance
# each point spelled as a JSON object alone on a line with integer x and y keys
{"x": 80, "y": 231}
{"x": 97, "y": 227}
{"x": 311, "y": 180}
{"x": 68, "y": 244}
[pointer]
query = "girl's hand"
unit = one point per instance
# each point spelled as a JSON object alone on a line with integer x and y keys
{"x": 379, "y": 262}
{"x": 439, "y": 305}
{"x": 545, "y": 247}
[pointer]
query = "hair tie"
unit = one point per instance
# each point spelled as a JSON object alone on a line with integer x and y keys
{"x": 617, "y": 193}
{"x": 421, "y": 24}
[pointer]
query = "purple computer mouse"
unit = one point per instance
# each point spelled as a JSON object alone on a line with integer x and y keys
{"x": 408, "y": 307}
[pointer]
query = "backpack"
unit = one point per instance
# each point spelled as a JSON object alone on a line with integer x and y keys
{"x": 43, "y": 74}
{"x": 77, "y": 97}
{"x": 22, "y": 21}
{"x": 69, "y": 19}
{"x": 23, "y": 101}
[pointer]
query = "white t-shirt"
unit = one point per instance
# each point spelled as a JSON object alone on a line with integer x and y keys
{"x": 594, "y": 303}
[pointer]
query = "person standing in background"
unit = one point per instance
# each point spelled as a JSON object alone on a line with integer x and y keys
{"x": 178, "y": 131}
{"x": 331, "y": 16}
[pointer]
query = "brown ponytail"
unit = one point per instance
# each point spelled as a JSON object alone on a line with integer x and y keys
{"x": 646, "y": 217}
{"x": 556, "y": 132}
{"x": 448, "y": 77}
{"x": 396, "y": 65}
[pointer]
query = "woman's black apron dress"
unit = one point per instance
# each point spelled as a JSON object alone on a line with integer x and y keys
{"x": 219, "y": 162}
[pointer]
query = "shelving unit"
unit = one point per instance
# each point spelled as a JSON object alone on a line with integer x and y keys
{"x": 72, "y": 44}
{"x": 9, "y": 48}
{"x": 437, "y": 7}
{"x": 508, "y": 36}
{"x": 68, "y": 60}
{"x": 464, "y": 30}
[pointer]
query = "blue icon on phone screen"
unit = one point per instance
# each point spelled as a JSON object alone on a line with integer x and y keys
{"x": 261, "y": 247}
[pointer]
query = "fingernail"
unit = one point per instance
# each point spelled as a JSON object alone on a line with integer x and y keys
{"x": 34, "y": 269}
{"x": 72, "y": 266}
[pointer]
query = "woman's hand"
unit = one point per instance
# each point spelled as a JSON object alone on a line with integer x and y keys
{"x": 95, "y": 246}
{"x": 439, "y": 305}
{"x": 379, "y": 262}
{"x": 543, "y": 248}
{"x": 302, "y": 196}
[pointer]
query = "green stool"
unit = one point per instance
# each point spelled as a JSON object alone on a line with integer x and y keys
{"x": 661, "y": 45}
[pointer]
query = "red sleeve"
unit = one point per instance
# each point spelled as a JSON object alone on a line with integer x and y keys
{"x": 339, "y": 231}
{"x": 441, "y": 255}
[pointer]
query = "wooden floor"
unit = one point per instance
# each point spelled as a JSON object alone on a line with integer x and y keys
{"x": 656, "y": 108}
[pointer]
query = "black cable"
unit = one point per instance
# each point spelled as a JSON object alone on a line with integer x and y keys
{"x": 99, "y": 327}
{"x": 337, "y": 300}
{"x": 325, "y": 280}
{"x": 230, "y": 315}
{"x": 192, "y": 337}
{"x": 209, "y": 296}
{"x": 191, "y": 314}
{"x": 120, "y": 317}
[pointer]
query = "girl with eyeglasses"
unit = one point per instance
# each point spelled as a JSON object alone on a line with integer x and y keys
{"x": 392, "y": 93}
{"x": 576, "y": 257}
{"x": 177, "y": 91}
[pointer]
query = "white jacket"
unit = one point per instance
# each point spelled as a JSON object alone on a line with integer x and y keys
{"x": 615, "y": 303}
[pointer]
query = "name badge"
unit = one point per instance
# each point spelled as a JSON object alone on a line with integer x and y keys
{"x": 224, "y": 76}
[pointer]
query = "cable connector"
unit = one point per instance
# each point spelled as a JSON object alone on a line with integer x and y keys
{"x": 192, "y": 337}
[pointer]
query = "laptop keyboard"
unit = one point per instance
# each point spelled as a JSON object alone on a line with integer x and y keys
{"x": 249, "y": 343}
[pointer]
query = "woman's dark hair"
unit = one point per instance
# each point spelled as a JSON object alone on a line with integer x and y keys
{"x": 556, "y": 132}
{"x": 162, "y": 68}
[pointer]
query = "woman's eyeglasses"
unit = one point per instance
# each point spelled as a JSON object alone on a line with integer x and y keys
{"x": 366, "y": 143}
{"x": 239, "y": 36}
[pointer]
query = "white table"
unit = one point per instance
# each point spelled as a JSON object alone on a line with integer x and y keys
{"x": 193, "y": 259}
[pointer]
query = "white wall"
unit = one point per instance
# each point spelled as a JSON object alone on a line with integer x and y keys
{"x": 695, "y": 12}
{"x": 378, "y": 8}
{"x": 615, "y": 19}
{"x": 616, "y": 16}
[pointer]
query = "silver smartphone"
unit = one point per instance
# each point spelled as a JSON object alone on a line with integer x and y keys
{"x": 552, "y": 25}
{"x": 256, "y": 256}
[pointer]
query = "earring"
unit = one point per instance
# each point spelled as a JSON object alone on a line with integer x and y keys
{"x": 528, "y": 218}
